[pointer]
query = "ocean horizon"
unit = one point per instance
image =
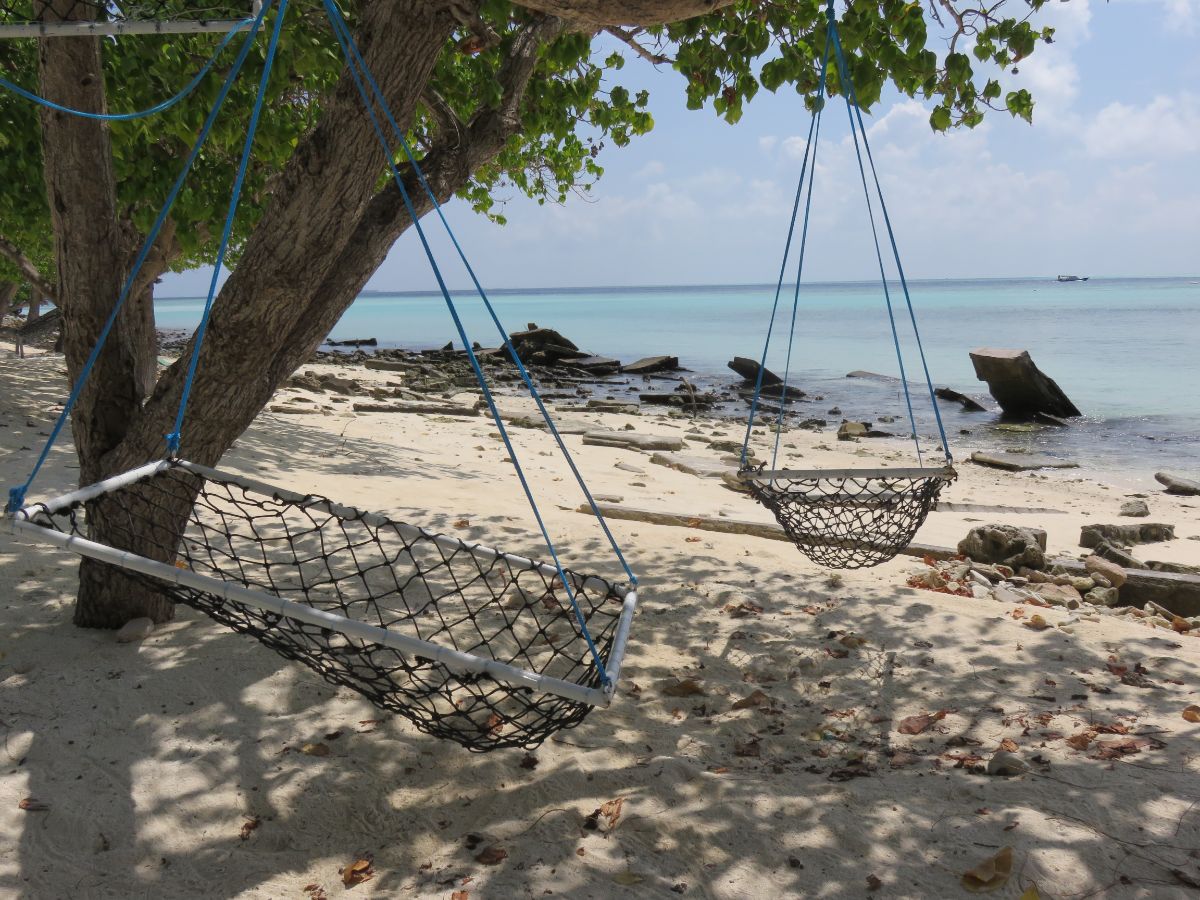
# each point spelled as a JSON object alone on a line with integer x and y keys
{"x": 1123, "y": 349}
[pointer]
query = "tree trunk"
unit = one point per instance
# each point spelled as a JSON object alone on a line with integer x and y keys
{"x": 8, "y": 290}
{"x": 91, "y": 253}
{"x": 324, "y": 231}
{"x": 35, "y": 307}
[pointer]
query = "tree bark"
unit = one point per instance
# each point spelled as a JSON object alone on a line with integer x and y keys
{"x": 278, "y": 304}
{"x": 601, "y": 13}
{"x": 91, "y": 254}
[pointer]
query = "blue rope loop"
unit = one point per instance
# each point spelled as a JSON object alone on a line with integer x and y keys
{"x": 173, "y": 439}
{"x": 17, "y": 495}
{"x": 355, "y": 62}
{"x": 343, "y": 30}
{"x": 851, "y": 104}
{"x": 857, "y": 127}
{"x": 800, "y": 264}
{"x": 140, "y": 114}
{"x": 852, "y": 98}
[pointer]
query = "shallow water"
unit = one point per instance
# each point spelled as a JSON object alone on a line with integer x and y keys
{"x": 1124, "y": 350}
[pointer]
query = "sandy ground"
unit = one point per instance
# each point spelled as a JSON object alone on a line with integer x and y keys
{"x": 152, "y": 758}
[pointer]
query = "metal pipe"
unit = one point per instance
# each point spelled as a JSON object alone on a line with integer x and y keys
{"x": 92, "y": 29}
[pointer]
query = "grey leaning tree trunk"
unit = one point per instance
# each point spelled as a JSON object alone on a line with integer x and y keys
{"x": 8, "y": 290}
{"x": 285, "y": 294}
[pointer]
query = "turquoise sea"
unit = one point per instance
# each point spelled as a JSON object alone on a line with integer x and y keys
{"x": 1126, "y": 350}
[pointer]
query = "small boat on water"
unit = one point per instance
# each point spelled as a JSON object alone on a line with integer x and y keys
{"x": 1073, "y": 277}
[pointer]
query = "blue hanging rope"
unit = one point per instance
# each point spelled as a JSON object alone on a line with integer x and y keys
{"x": 851, "y": 104}
{"x": 346, "y": 41}
{"x": 341, "y": 28}
{"x": 852, "y": 101}
{"x": 16, "y": 495}
{"x": 787, "y": 250}
{"x": 141, "y": 114}
{"x": 787, "y": 367}
{"x": 173, "y": 439}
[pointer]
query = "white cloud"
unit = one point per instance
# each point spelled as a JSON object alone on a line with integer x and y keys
{"x": 767, "y": 143}
{"x": 1165, "y": 127}
{"x": 652, "y": 169}
{"x": 1183, "y": 15}
{"x": 1177, "y": 16}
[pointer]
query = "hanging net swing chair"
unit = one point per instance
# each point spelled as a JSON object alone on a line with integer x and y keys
{"x": 485, "y": 648}
{"x": 844, "y": 518}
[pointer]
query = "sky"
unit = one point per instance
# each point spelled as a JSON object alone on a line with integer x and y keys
{"x": 1105, "y": 182}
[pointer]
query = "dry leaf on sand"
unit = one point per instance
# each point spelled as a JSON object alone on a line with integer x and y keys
{"x": 1191, "y": 713}
{"x": 357, "y": 872}
{"x": 1125, "y": 747}
{"x": 29, "y": 804}
{"x": 991, "y": 874}
{"x": 1082, "y": 740}
{"x": 315, "y": 749}
{"x": 918, "y": 724}
{"x": 758, "y": 698}
{"x": 611, "y": 810}
{"x": 628, "y": 878}
{"x": 492, "y": 856}
{"x": 1031, "y": 893}
{"x": 686, "y": 687}
{"x": 460, "y": 895}
{"x": 248, "y": 827}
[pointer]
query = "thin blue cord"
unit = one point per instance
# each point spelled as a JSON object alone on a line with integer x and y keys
{"x": 937, "y": 413}
{"x": 127, "y": 117}
{"x": 851, "y": 102}
{"x": 16, "y": 495}
{"x": 340, "y": 24}
{"x": 173, "y": 439}
{"x": 345, "y": 41}
{"x": 787, "y": 367}
{"x": 787, "y": 250}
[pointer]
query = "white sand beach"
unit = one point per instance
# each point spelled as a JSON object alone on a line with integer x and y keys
{"x": 176, "y": 766}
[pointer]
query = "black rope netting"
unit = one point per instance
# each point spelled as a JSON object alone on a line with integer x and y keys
{"x": 367, "y": 568}
{"x": 39, "y": 12}
{"x": 848, "y": 521}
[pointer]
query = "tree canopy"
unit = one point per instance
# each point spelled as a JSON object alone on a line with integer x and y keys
{"x": 575, "y": 103}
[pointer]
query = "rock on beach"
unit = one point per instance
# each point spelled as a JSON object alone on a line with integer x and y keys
{"x": 1018, "y": 385}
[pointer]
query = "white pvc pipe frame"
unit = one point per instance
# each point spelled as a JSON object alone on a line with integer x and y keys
{"x": 138, "y": 26}
{"x": 454, "y": 660}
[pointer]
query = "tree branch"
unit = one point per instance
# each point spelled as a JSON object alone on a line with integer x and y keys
{"x": 599, "y": 14}
{"x": 630, "y": 38}
{"x": 447, "y": 119}
{"x": 448, "y": 167}
{"x": 25, "y": 266}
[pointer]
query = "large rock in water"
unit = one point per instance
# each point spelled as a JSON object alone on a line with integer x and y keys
{"x": 1018, "y": 385}
{"x": 544, "y": 345}
{"x": 1014, "y": 547}
{"x": 652, "y": 364}
{"x": 748, "y": 369}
